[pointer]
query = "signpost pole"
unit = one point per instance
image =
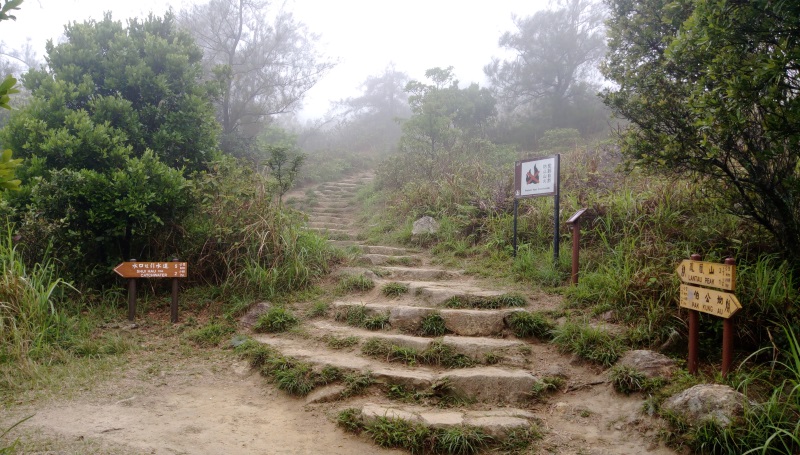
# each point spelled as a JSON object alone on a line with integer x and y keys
{"x": 556, "y": 209}
{"x": 516, "y": 209}
{"x": 173, "y": 308}
{"x": 727, "y": 336}
{"x": 694, "y": 333}
{"x": 131, "y": 297}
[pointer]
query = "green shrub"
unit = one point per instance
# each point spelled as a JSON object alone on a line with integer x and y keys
{"x": 276, "y": 319}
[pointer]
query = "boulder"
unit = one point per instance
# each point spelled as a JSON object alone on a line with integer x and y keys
{"x": 425, "y": 225}
{"x": 705, "y": 402}
{"x": 649, "y": 363}
{"x": 251, "y": 317}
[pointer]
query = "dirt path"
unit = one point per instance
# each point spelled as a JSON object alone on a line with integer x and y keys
{"x": 194, "y": 405}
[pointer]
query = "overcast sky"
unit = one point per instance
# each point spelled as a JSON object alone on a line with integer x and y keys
{"x": 364, "y": 36}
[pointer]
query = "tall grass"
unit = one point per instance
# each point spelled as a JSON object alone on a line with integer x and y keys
{"x": 30, "y": 323}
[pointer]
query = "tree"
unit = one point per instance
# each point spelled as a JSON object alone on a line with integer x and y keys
{"x": 8, "y": 180}
{"x": 114, "y": 128}
{"x": 442, "y": 112}
{"x": 711, "y": 91}
{"x": 371, "y": 121}
{"x": 551, "y": 80}
{"x": 283, "y": 168}
{"x": 264, "y": 66}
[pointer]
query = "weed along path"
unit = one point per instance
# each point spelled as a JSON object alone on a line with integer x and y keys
{"x": 397, "y": 352}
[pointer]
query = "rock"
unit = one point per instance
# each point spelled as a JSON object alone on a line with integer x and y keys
{"x": 491, "y": 384}
{"x": 371, "y": 412}
{"x": 475, "y": 323}
{"x": 649, "y": 363}
{"x": 325, "y": 394}
{"x": 250, "y": 318}
{"x": 408, "y": 318}
{"x": 705, "y": 402}
{"x": 425, "y": 225}
{"x": 498, "y": 427}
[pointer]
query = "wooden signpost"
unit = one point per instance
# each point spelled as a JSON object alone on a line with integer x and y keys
{"x": 134, "y": 270}
{"x": 696, "y": 297}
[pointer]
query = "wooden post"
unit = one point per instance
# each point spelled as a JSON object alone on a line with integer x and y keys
{"x": 173, "y": 313}
{"x": 727, "y": 336}
{"x": 132, "y": 297}
{"x": 575, "y": 224}
{"x": 694, "y": 333}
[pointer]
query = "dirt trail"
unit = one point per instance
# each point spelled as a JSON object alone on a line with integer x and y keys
{"x": 215, "y": 404}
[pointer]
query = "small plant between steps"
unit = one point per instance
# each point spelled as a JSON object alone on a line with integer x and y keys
{"x": 276, "y": 319}
{"x": 432, "y": 325}
{"x": 417, "y": 438}
{"x": 486, "y": 303}
{"x": 355, "y": 283}
{"x": 358, "y": 316}
{"x": 531, "y": 324}
{"x": 394, "y": 289}
{"x": 437, "y": 353}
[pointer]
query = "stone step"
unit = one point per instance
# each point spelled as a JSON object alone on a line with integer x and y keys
{"x": 341, "y": 234}
{"x": 474, "y": 323}
{"x": 477, "y": 348}
{"x": 484, "y": 384}
{"x": 331, "y": 219}
{"x": 497, "y": 423}
{"x": 418, "y": 273}
{"x": 383, "y": 259}
{"x": 384, "y": 250}
{"x": 324, "y": 204}
{"x": 326, "y": 225}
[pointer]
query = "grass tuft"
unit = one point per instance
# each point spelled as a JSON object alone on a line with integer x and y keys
{"x": 394, "y": 289}
{"x": 277, "y": 319}
{"x": 531, "y": 324}
{"x": 432, "y": 325}
{"x": 590, "y": 343}
{"x": 355, "y": 283}
{"x": 486, "y": 303}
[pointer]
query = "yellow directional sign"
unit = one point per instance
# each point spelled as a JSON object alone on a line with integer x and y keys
{"x": 711, "y": 274}
{"x": 718, "y": 303}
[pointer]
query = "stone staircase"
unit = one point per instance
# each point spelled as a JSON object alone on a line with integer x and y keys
{"x": 441, "y": 333}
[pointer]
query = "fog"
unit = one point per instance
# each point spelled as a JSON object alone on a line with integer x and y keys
{"x": 362, "y": 36}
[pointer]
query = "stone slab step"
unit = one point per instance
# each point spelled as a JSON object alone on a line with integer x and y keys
{"x": 383, "y": 259}
{"x": 476, "y": 323}
{"x": 330, "y": 219}
{"x": 497, "y": 423}
{"x": 327, "y": 225}
{"x": 419, "y": 273}
{"x": 477, "y": 348}
{"x": 384, "y": 250}
{"x": 486, "y": 384}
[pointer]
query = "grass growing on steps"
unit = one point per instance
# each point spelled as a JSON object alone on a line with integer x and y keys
{"x": 394, "y": 289}
{"x": 417, "y": 438}
{"x": 432, "y": 325}
{"x": 341, "y": 342}
{"x": 628, "y": 380}
{"x": 437, "y": 353}
{"x": 355, "y": 283}
{"x": 531, "y": 324}
{"x": 277, "y": 319}
{"x": 358, "y": 316}
{"x": 289, "y": 374}
{"x": 486, "y": 303}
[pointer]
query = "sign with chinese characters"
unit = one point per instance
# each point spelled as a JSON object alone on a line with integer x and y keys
{"x": 536, "y": 177}
{"x": 713, "y": 275}
{"x": 151, "y": 270}
{"x": 718, "y": 303}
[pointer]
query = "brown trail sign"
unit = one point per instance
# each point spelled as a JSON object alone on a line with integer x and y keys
{"x": 718, "y": 303}
{"x": 151, "y": 270}
{"x": 713, "y": 275}
{"x": 134, "y": 269}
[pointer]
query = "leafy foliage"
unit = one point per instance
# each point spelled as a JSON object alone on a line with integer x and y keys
{"x": 710, "y": 90}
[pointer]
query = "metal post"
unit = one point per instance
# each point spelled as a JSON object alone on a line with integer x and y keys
{"x": 173, "y": 313}
{"x": 576, "y": 242}
{"x": 132, "y": 297}
{"x": 556, "y": 209}
{"x": 727, "y": 336}
{"x": 694, "y": 332}
{"x": 516, "y": 208}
